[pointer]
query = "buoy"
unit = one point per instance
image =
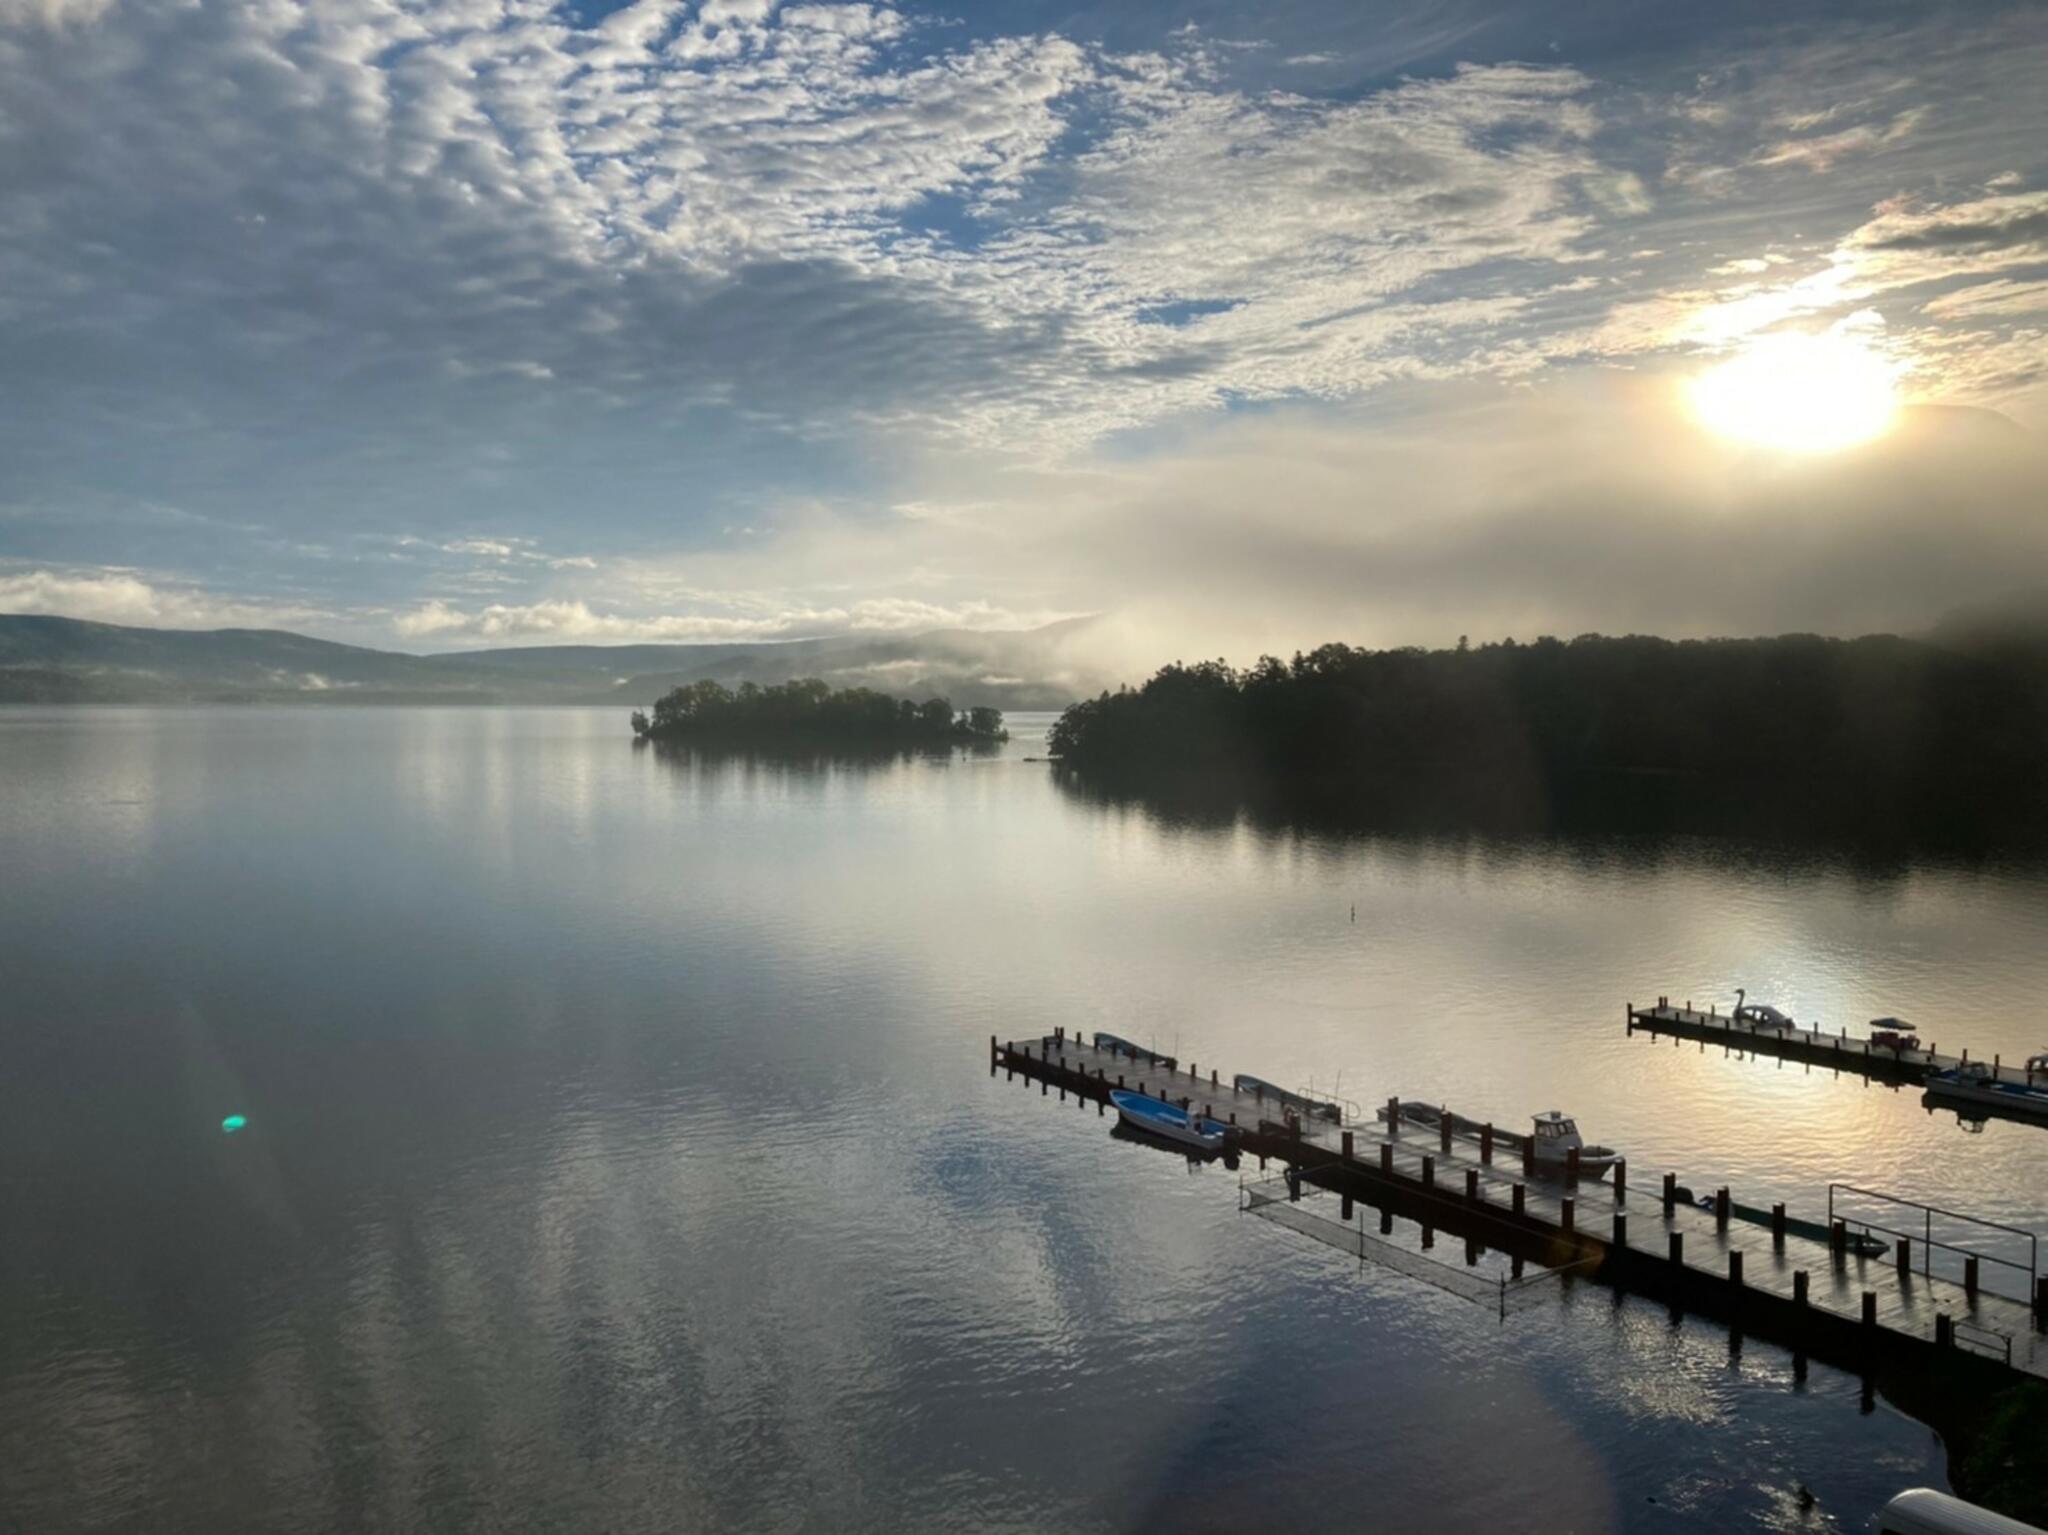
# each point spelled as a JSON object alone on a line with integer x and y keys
{"x": 232, "y": 1123}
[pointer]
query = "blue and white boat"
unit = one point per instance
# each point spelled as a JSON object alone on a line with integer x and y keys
{"x": 1975, "y": 1082}
{"x": 1155, "y": 1116}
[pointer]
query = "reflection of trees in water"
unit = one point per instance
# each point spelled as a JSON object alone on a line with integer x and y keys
{"x": 1598, "y": 821}
{"x": 801, "y": 762}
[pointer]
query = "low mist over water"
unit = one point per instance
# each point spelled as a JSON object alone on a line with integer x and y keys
{"x": 620, "y": 1149}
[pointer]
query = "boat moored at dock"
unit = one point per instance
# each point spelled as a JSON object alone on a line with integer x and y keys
{"x": 1556, "y": 1136}
{"x": 1976, "y": 1083}
{"x": 1121, "y": 1046}
{"x": 1759, "y": 1015}
{"x": 1301, "y": 1103}
{"x": 1155, "y": 1116}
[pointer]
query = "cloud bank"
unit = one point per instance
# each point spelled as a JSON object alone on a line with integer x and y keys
{"x": 495, "y": 320}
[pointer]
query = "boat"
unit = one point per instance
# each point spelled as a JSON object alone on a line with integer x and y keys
{"x": 1894, "y": 1034}
{"x": 1860, "y": 1242}
{"x": 1121, "y": 1046}
{"x": 1555, "y": 1137}
{"x": 1155, "y": 1116}
{"x": 1303, "y": 1105}
{"x": 1759, "y": 1015}
{"x": 1975, "y": 1082}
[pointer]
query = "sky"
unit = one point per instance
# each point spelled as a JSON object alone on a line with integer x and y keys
{"x": 440, "y": 325}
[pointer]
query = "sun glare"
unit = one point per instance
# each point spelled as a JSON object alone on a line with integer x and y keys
{"x": 1798, "y": 394}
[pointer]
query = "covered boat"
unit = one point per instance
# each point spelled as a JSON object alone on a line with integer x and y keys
{"x": 1120, "y": 1046}
{"x": 1155, "y": 1116}
{"x": 1301, "y": 1103}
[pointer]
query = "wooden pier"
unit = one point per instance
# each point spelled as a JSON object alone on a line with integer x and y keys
{"x": 1817, "y": 1296}
{"x": 1838, "y": 1051}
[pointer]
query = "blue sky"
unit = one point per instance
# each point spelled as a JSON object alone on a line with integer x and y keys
{"x": 445, "y": 324}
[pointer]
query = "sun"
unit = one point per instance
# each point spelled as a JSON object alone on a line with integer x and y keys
{"x": 1798, "y": 394}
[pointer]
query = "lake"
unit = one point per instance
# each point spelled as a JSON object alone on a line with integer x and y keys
{"x": 621, "y": 1151}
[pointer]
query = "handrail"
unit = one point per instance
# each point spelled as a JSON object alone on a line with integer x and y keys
{"x": 1925, "y": 1236}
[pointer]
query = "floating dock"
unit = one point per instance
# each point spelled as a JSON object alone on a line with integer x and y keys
{"x": 1829, "y": 1296}
{"x": 1840, "y": 1051}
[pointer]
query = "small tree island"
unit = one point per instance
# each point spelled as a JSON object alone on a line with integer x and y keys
{"x": 807, "y": 713}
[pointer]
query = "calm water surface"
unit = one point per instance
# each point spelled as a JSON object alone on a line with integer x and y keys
{"x": 622, "y": 1152}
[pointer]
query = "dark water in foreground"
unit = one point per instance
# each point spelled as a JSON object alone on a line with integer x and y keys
{"x": 622, "y": 1153}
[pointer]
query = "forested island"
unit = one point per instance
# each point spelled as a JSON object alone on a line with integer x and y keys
{"x": 808, "y": 714}
{"x": 1799, "y": 733}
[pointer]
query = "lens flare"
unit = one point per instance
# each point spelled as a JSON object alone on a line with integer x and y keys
{"x": 1798, "y": 394}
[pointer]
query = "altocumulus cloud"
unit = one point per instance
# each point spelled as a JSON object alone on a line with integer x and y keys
{"x": 348, "y": 283}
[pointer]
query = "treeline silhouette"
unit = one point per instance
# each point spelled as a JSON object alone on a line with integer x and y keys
{"x": 809, "y": 714}
{"x": 1876, "y": 737}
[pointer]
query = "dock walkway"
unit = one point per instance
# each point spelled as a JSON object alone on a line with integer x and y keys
{"x": 1838, "y": 1050}
{"x": 1678, "y": 1248}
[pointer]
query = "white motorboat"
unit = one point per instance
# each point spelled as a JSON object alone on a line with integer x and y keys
{"x": 1557, "y": 1137}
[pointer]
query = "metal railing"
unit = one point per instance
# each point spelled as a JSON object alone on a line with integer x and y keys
{"x": 1929, "y": 1245}
{"x": 1978, "y": 1339}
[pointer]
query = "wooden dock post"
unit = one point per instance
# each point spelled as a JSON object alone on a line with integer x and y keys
{"x": 1870, "y": 1310}
{"x": 1970, "y": 1276}
{"x": 1347, "y": 1145}
{"x": 1387, "y": 1158}
{"x": 1566, "y": 1213}
{"x": 1735, "y": 1267}
{"x": 1529, "y": 1157}
{"x": 1571, "y": 1167}
{"x": 1903, "y": 1251}
{"x": 1721, "y": 1207}
{"x": 1620, "y": 1232}
{"x": 2040, "y": 1299}
{"x": 1486, "y": 1143}
{"x": 1777, "y": 1225}
{"x": 1444, "y": 1126}
{"x": 1394, "y": 1116}
{"x": 1428, "y": 1171}
{"x": 1799, "y": 1287}
{"x": 1670, "y": 1192}
{"x": 1621, "y": 1179}
{"x": 1678, "y": 1249}
{"x": 1944, "y": 1330}
{"x": 1838, "y": 1241}
{"x": 1472, "y": 1184}
{"x": 1520, "y": 1198}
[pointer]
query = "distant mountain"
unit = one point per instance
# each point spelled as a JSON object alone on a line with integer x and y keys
{"x": 70, "y": 660}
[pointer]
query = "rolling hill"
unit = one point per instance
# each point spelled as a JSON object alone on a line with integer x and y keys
{"x": 46, "y": 659}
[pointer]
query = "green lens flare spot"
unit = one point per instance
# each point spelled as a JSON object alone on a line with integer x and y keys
{"x": 232, "y": 1123}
